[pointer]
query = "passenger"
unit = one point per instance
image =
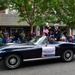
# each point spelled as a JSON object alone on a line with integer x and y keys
{"x": 57, "y": 32}
{"x": 52, "y": 40}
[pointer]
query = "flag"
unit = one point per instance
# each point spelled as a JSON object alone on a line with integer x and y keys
{"x": 38, "y": 32}
{"x": 45, "y": 30}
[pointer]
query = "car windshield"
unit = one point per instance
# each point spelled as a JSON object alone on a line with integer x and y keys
{"x": 34, "y": 40}
{"x": 40, "y": 40}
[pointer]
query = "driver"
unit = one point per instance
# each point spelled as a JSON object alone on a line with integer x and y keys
{"x": 52, "y": 40}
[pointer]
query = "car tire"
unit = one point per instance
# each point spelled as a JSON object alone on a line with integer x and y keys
{"x": 67, "y": 55}
{"x": 12, "y": 61}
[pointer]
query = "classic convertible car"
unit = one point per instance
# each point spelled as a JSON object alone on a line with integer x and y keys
{"x": 14, "y": 54}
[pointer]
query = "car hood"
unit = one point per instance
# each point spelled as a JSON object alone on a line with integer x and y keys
{"x": 18, "y": 46}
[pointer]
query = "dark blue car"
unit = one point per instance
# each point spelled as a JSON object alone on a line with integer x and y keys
{"x": 14, "y": 54}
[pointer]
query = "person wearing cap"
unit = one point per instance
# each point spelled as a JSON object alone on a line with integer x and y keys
{"x": 57, "y": 32}
{"x": 52, "y": 40}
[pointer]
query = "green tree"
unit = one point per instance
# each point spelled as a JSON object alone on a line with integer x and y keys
{"x": 65, "y": 11}
{"x": 46, "y": 12}
{"x": 34, "y": 12}
{"x": 3, "y": 4}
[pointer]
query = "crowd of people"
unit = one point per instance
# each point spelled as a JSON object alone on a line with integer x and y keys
{"x": 17, "y": 37}
{"x": 54, "y": 34}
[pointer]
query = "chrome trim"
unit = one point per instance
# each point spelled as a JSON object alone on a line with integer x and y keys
{"x": 34, "y": 59}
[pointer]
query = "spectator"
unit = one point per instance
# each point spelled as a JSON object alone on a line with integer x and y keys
{"x": 71, "y": 39}
{"x": 63, "y": 38}
{"x": 13, "y": 39}
{"x": 30, "y": 35}
{"x": 5, "y": 34}
{"x": 18, "y": 41}
{"x": 0, "y": 41}
{"x": 67, "y": 37}
{"x": 1, "y": 37}
{"x": 10, "y": 39}
{"x": 16, "y": 35}
{"x": 74, "y": 38}
{"x": 22, "y": 36}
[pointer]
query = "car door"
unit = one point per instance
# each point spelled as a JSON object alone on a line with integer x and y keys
{"x": 48, "y": 50}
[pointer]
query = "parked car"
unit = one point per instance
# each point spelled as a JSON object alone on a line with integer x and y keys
{"x": 14, "y": 54}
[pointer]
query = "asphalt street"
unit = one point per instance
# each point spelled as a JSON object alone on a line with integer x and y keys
{"x": 43, "y": 67}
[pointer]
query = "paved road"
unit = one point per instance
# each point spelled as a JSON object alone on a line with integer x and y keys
{"x": 44, "y": 67}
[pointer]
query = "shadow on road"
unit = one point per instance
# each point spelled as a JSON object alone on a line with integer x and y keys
{"x": 34, "y": 63}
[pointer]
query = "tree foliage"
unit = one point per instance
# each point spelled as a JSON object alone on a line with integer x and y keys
{"x": 3, "y": 4}
{"x": 65, "y": 11}
{"x": 35, "y": 12}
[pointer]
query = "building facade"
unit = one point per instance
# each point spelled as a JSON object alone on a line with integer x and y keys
{"x": 10, "y": 23}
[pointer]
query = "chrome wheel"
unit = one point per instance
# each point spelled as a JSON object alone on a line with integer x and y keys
{"x": 68, "y": 55}
{"x": 12, "y": 61}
